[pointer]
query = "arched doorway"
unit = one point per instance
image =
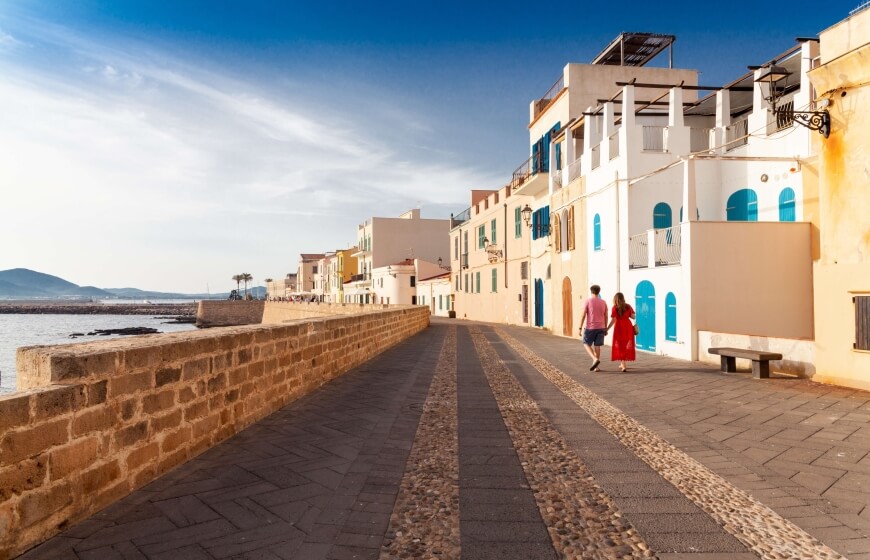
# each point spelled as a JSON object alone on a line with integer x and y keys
{"x": 742, "y": 206}
{"x": 645, "y": 306}
{"x": 662, "y": 216}
{"x": 567, "y": 308}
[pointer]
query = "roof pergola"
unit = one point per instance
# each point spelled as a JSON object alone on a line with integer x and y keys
{"x": 635, "y": 49}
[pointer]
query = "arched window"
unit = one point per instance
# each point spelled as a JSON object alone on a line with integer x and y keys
{"x": 570, "y": 228}
{"x": 671, "y": 317}
{"x": 786, "y": 205}
{"x": 662, "y": 217}
{"x": 557, "y": 232}
{"x": 596, "y": 232}
{"x": 742, "y": 206}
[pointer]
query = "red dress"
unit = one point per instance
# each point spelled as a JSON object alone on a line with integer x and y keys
{"x": 623, "y": 336}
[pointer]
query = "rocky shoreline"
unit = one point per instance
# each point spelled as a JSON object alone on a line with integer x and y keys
{"x": 163, "y": 309}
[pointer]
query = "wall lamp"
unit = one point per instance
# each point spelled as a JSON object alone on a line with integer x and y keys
{"x": 527, "y": 215}
{"x": 771, "y": 76}
{"x": 441, "y": 264}
{"x": 390, "y": 271}
{"x": 492, "y": 250}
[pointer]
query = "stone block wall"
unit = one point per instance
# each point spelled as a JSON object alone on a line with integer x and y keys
{"x": 277, "y": 312}
{"x": 227, "y": 313}
{"x": 96, "y": 421}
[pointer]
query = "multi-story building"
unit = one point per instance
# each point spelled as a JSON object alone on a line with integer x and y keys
{"x": 324, "y": 281}
{"x": 345, "y": 268}
{"x": 396, "y": 284}
{"x": 841, "y": 274}
{"x": 308, "y": 273}
{"x": 386, "y": 241}
{"x": 281, "y": 288}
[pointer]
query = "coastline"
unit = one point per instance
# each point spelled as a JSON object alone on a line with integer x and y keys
{"x": 89, "y": 308}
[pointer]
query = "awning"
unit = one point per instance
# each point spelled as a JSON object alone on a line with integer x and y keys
{"x": 358, "y": 292}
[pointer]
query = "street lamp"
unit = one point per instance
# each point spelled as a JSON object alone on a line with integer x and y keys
{"x": 527, "y": 215}
{"x": 770, "y": 78}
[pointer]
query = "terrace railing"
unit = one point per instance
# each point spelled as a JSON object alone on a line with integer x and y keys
{"x": 574, "y": 170}
{"x": 699, "y": 139}
{"x": 461, "y": 218}
{"x": 638, "y": 251}
{"x": 737, "y": 134}
{"x": 614, "y": 145}
{"x": 557, "y": 178}
{"x": 668, "y": 246}
{"x": 596, "y": 156}
{"x": 551, "y": 94}
{"x": 521, "y": 174}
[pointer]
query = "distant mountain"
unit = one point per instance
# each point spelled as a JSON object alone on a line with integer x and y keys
{"x": 23, "y": 283}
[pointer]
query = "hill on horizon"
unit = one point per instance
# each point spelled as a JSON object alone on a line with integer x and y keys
{"x": 23, "y": 283}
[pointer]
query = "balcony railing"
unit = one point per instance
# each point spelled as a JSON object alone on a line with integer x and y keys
{"x": 463, "y": 260}
{"x": 596, "y": 156}
{"x": 638, "y": 251}
{"x": 737, "y": 134}
{"x": 531, "y": 166}
{"x": 461, "y": 218}
{"x": 783, "y": 118}
{"x": 551, "y": 94}
{"x": 360, "y": 277}
{"x": 654, "y": 138}
{"x": 574, "y": 170}
{"x": 614, "y": 145}
{"x": 668, "y": 246}
{"x": 557, "y": 178}
{"x": 699, "y": 139}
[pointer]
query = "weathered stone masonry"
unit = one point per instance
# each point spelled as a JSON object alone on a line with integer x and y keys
{"x": 98, "y": 420}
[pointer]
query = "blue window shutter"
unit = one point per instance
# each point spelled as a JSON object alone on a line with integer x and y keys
{"x": 786, "y": 205}
{"x": 662, "y": 216}
{"x": 596, "y": 232}
{"x": 742, "y": 206}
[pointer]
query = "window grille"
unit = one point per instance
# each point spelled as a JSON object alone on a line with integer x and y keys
{"x": 524, "y": 270}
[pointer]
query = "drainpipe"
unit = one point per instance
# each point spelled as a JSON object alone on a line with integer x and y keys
{"x": 618, "y": 251}
{"x": 505, "y": 247}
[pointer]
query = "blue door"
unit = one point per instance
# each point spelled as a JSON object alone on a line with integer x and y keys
{"x": 742, "y": 206}
{"x": 645, "y": 300}
{"x": 662, "y": 218}
{"x": 539, "y": 303}
{"x": 671, "y": 317}
{"x": 786, "y": 205}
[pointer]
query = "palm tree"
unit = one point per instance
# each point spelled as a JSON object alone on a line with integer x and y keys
{"x": 268, "y": 280}
{"x": 246, "y": 277}
{"x": 238, "y": 279}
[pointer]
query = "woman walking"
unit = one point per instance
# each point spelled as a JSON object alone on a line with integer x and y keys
{"x": 623, "y": 333}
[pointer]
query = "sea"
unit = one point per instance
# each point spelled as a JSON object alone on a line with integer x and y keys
{"x": 30, "y": 330}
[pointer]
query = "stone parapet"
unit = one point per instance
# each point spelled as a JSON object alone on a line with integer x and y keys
{"x": 229, "y": 313}
{"x": 95, "y": 421}
{"x": 277, "y": 312}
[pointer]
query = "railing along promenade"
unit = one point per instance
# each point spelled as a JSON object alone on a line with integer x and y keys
{"x": 92, "y": 422}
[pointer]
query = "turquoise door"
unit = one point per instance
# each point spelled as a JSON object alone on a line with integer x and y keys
{"x": 786, "y": 205}
{"x": 671, "y": 317}
{"x": 662, "y": 216}
{"x": 539, "y": 303}
{"x": 742, "y": 206}
{"x": 645, "y": 302}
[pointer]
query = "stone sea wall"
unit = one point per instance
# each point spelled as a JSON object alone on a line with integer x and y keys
{"x": 277, "y": 312}
{"x": 98, "y": 420}
{"x": 229, "y": 313}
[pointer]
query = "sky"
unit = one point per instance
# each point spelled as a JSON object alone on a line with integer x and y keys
{"x": 170, "y": 144}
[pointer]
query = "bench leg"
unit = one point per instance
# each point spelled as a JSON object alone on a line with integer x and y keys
{"x": 761, "y": 369}
{"x": 728, "y": 363}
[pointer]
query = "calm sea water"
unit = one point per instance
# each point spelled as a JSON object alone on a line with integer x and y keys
{"x": 28, "y": 330}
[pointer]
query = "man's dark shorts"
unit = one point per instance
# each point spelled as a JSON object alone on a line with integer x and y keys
{"x": 594, "y": 337}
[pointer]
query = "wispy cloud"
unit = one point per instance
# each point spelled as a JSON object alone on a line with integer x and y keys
{"x": 121, "y": 140}
{"x": 8, "y": 42}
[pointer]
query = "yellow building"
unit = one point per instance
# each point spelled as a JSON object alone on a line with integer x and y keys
{"x": 842, "y": 273}
{"x": 345, "y": 267}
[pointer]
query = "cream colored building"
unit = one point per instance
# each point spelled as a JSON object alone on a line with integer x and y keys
{"x": 436, "y": 292}
{"x": 386, "y": 241}
{"x": 842, "y": 272}
{"x": 308, "y": 273}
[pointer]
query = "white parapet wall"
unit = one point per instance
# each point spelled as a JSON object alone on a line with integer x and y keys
{"x": 798, "y": 354}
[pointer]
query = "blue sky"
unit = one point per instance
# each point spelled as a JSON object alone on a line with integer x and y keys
{"x": 171, "y": 144}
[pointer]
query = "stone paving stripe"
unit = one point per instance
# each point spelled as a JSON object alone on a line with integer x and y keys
{"x": 581, "y": 518}
{"x": 760, "y": 528}
{"x": 425, "y": 519}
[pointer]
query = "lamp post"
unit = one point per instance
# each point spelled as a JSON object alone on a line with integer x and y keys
{"x": 770, "y": 78}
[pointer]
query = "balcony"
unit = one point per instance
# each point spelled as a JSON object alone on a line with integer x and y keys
{"x": 613, "y": 145}
{"x": 737, "y": 134}
{"x": 596, "y": 157}
{"x": 699, "y": 139}
{"x": 361, "y": 277}
{"x": 575, "y": 170}
{"x": 459, "y": 219}
{"x": 530, "y": 178}
{"x": 554, "y": 91}
{"x": 668, "y": 244}
{"x": 638, "y": 251}
{"x": 654, "y": 138}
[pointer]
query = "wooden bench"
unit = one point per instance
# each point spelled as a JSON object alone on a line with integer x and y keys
{"x": 760, "y": 360}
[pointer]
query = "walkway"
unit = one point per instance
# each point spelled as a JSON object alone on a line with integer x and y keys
{"x": 497, "y": 442}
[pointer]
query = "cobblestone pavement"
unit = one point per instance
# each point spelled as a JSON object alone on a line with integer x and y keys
{"x": 543, "y": 459}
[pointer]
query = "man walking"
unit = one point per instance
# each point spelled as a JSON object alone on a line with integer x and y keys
{"x": 595, "y": 318}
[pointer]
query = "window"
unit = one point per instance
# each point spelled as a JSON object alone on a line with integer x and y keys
{"x": 477, "y": 280}
{"x": 786, "y": 205}
{"x": 494, "y": 280}
{"x": 481, "y": 234}
{"x": 862, "y": 322}
{"x": 524, "y": 270}
{"x": 492, "y": 238}
{"x": 413, "y": 300}
{"x": 314, "y": 269}
{"x": 541, "y": 222}
{"x": 414, "y": 279}
{"x": 671, "y": 317}
{"x": 457, "y": 282}
{"x": 518, "y": 222}
{"x": 570, "y": 228}
{"x": 440, "y": 305}
{"x": 596, "y": 232}
{"x": 466, "y": 283}
{"x": 456, "y": 248}
{"x": 742, "y": 206}
{"x": 557, "y": 232}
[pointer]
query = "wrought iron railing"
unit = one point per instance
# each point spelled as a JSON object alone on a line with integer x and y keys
{"x": 668, "y": 246}
{"x": 574, "y": 170}
{"x": 783, "y": 118}
{"x": 521, "y": 174}
{"x": 638, "y": 251}
{"x": 614, "y": 145}
{"x": 360, "y": 277}
{"x": 699, "y": 139}
{"x": 551, "y": 94}
{"x": 737, "y": 134}
{"x": 596, "y": 156}
{"x": 654, "y": 138}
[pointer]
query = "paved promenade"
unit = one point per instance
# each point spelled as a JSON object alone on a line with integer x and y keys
{"x": 489, "y": 442}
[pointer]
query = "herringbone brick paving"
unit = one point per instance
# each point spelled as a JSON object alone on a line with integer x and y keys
{"x": 319, "y": 478}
